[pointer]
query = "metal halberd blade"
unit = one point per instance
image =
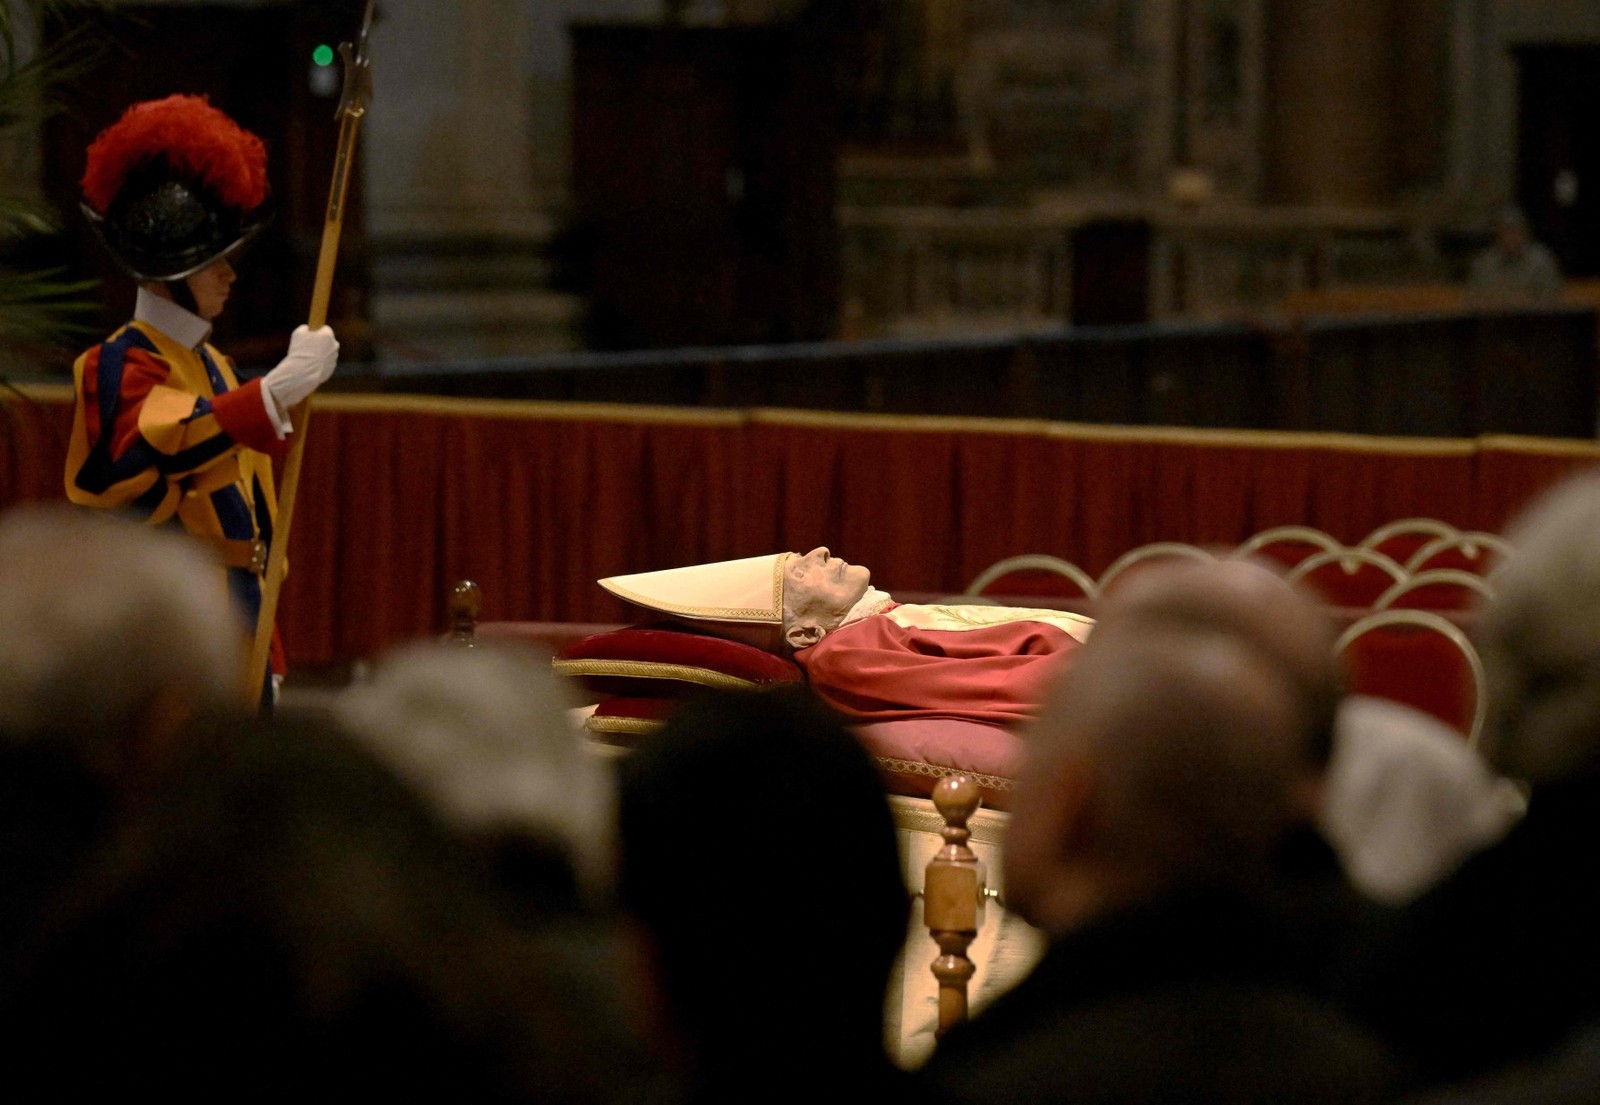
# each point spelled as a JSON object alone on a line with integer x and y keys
{"x": 357, "y": 70}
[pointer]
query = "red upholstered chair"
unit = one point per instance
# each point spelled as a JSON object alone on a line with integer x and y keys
{"x": 1401, "y": 540}
{"x": 1349, "y": 577}
{"x": 1438, "y": 589}
{"x": 1145, "y": 555}
{"x": 1478, "y": 553}
{"x": 1033, "y": 574}
{"x": 1420, "y": 659}
{"x": 1288, "y": 545}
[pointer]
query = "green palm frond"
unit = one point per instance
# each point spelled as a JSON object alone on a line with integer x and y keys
{"x": 17, "y": 16}
{"x": 20, "y": 216}
{"x": 26, "y": 85}
{"x": 43, "y": 308}
{"x": 40, "y": 309}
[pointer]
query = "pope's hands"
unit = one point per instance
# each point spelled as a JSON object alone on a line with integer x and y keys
{"x": 313, "y": 354}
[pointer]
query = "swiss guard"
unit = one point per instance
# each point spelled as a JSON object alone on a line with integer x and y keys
{"x": 163, "y": 429}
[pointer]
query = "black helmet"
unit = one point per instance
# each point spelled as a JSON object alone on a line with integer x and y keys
{"x": 173, "y": 185}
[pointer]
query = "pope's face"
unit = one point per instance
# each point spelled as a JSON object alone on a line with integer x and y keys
{"x": 821, "y": 587}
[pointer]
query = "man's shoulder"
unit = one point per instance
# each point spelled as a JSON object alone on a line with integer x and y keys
{"x": 130, "y": 336}
{"x": 1213, "y": 1039}
{"x": 127, "y": 343}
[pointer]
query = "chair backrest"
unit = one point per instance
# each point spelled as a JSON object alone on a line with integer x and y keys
{"x": 1479, "y": 553}
{"x": 1418, "y": 658}
{"x": 1400, "y": 540}
{"x": 1033, "y": 574}
{"x": 1437, "y": 589}
{"x": 1349, "y": 577}
{"x": 1148, "y": 554}
{"x": 1288, "y": 545}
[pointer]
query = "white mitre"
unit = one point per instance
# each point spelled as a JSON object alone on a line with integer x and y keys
{"x": 743, "y": 601}
{"x": 739, "y": 599}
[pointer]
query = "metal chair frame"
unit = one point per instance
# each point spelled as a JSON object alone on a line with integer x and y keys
{"x": 1468, "y": 543}
{"x": 1474, "y": 583}
{"x": 1404, "y": 526}
{"x": 1037, "y": 562}
{"x": 1349, "y": 560}
{"x": 1176, "y": 549}
{"x": 1427, "y": 619}
{"x": 1303, "y": 535}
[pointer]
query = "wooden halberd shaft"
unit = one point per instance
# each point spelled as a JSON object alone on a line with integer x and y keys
{"x": 351, "y": 110}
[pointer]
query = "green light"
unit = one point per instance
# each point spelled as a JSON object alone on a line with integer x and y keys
{"x": 323, "y": 55}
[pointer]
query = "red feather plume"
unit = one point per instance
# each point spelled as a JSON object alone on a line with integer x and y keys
{"x": 195, "y": 138}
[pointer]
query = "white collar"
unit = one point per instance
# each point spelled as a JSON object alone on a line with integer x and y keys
{"x": 873, "y": 602}
{"x": 184, "y": 327}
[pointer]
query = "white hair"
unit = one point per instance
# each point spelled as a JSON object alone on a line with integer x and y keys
{"x": 1541, "y": 641}
{"x": 486, "y": 735}
{"x": 99, "y": 617}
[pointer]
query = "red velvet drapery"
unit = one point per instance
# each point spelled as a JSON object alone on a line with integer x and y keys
{"x": 535, "y": 501}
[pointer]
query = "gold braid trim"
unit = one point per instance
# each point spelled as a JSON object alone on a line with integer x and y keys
{"x": 649, "y": 669}
{"x": 934, "y": 771}
{"x": 539, "y": 409}
{"x": 636, "y": 726}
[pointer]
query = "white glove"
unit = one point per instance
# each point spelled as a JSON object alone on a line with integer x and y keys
{"x": 311, "y": 360}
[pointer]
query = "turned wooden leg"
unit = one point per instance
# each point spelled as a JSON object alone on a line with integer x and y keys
{"x": 466, "y": 603}
{"x": 952, "y": 896}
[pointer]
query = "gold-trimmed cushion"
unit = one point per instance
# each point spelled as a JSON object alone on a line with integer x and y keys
{"x": 627, "y": 720}
{"x": 915, "y": 754}
{"x": 912, "y": 755}
{"x": 662, "y": 662}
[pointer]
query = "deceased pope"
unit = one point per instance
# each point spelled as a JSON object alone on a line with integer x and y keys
{"x": 868, "y": 656}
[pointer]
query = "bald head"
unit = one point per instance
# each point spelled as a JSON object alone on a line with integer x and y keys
{"x": 1248, "y": 602}
{"x": 1181, "y": 746}
{"x": 109, "y": 631}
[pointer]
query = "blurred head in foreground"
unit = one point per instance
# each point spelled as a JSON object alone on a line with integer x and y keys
{"x": 1541, "y": 642}
{"x": 755, "y": 833}
{"x": 1183, "y": 748}
{"x": 1250, "y": 603}
{"x": 305, "y": 927}
{"x": 107, "y": 644}
{"x": 485, "y": 735}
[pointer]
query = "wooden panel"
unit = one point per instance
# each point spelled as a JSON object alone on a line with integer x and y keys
{"x": 1530, "y": 372}
{"x": 703, "y": 176}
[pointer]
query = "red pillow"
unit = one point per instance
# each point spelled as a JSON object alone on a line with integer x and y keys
{"x": 656, "y": 662}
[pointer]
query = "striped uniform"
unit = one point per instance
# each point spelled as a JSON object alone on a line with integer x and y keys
{"x": 167, "y": 433}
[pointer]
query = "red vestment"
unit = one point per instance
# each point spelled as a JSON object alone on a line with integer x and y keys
{"x": 878, "y": 670}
